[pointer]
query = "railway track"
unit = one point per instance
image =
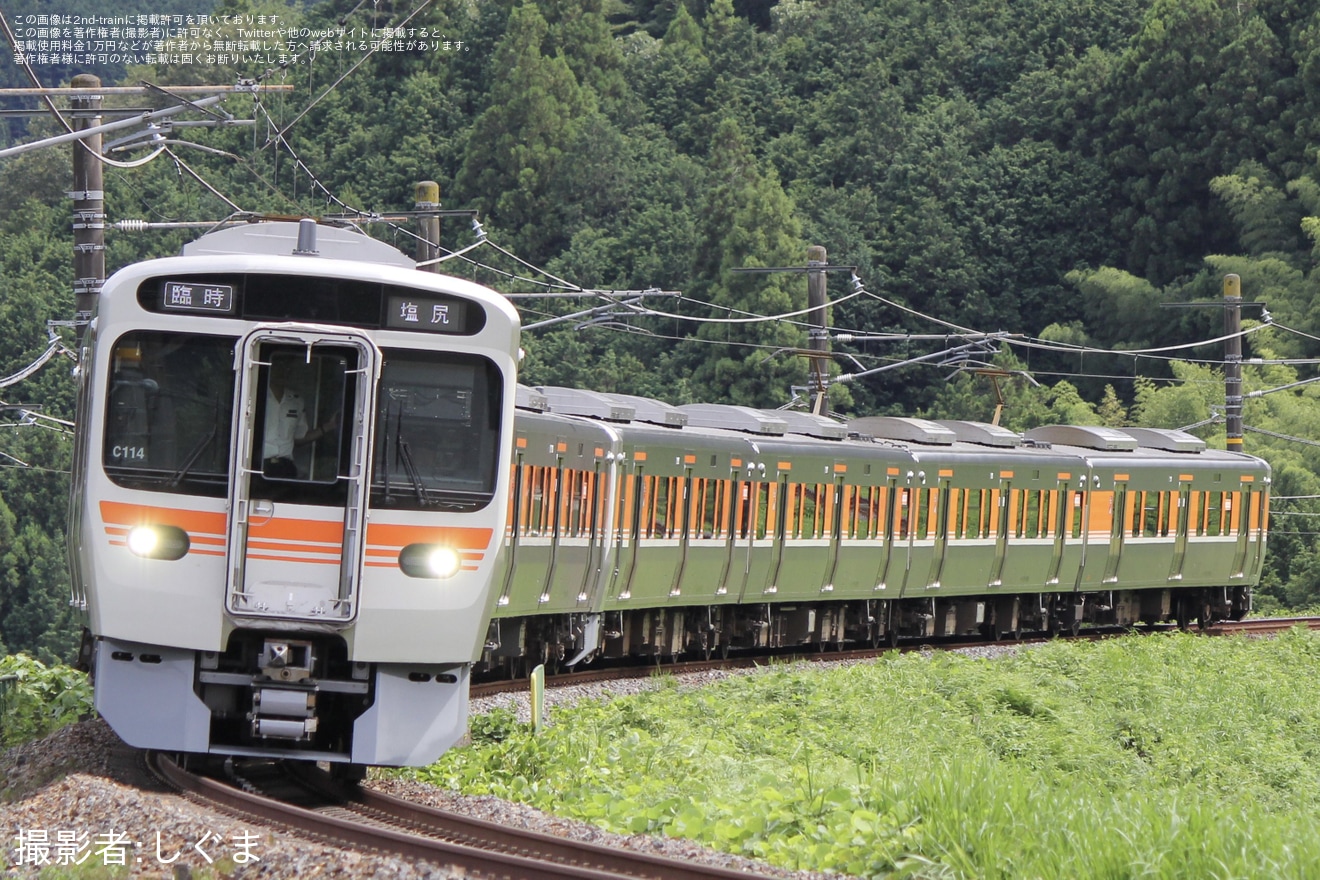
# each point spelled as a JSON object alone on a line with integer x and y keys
{"x": 306, "y": 800}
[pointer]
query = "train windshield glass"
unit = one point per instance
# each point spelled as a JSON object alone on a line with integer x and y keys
{"x": 437, "y": 431}
{"x": 168, "y": 412}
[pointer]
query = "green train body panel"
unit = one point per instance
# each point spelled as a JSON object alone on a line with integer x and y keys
{"x": 616, "y": 517}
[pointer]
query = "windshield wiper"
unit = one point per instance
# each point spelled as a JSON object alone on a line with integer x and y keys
{"x": 405, "y": 455}
{"x": 196, "y": 452}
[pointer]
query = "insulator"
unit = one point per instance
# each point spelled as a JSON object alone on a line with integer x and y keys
{"x": 133, "y": 225}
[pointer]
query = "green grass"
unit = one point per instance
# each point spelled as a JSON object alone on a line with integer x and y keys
{"x": 1168, "y": 756}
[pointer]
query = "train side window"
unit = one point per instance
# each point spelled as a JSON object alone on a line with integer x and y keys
{"x": 1078, "y": 510}
{"x": 570, "y": 502}
{"x": 846, "y": 504}
{"x": 791, "y": 510}
{"x": 1231, "y": 513}
{"x": 957, "y": 512}
{"x": 904, "y": 513}
{"x": 870, "y": 512}
{"x": 972, "y": 522}
{"x": 1031, "y": 515}
{"x": 1214, "y": 502}
{"x": 921, "y": 513}
{"x": 821, "y": 502}
{"x": 745, "y": 499}
{"x": 941, "y": 504}
{"x": 657, "y": 507}
{"x": 705, "y": 494}
{"x": 579, "y": 501}
{"x": 764, "y": 499}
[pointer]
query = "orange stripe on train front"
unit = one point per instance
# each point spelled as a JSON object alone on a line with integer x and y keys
{"x": 191, "y": 521}
{"x": 299, "y": 531}
{"x": 386, "y": 535}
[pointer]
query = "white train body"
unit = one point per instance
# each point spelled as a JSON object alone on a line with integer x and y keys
{"x": 327, "y": 603}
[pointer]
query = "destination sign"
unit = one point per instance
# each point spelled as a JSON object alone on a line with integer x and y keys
{"x": 422, "y": 313}
{"x": 190, "y": 296}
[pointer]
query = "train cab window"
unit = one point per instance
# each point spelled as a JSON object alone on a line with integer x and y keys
{"x": 299, "y": 416}
{"x": 437, "y": 431}
{"x": 168, "y": 413}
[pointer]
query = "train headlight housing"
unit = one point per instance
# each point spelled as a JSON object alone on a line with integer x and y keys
{"x": 158, "y": 542}
{"x": 430, "y": 561}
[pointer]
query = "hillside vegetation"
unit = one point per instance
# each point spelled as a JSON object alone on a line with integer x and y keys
{"x": 1146, "y": 756}
{"x": 1046, "y": 168}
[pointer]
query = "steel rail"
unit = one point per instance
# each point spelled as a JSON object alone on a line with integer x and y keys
{"x": 371, "y": 820}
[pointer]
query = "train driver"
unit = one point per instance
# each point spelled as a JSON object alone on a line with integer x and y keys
{"x": 286, "y": 424}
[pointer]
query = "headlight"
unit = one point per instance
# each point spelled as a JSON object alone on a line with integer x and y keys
{"x": 158, "y": 542}
{"x": 430, "y": 561}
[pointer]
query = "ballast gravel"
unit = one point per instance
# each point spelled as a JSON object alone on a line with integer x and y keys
{"x": 81, "y": 799}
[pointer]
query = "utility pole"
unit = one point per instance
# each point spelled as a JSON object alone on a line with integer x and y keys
{"x": 1233, "y": 363}
{"x": 428, "y": 245}
{"x": 88, "y": 204}
{"x": 819, "y": 339}
{"x": 818, "y": 349}
{"x": 88, "y": 193}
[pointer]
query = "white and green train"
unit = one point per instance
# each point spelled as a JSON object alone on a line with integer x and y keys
{"x": 636, "y": 528}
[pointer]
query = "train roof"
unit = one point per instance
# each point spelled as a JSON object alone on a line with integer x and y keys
{"x": 304, "y": 238}
{"x": 643, "y": 421}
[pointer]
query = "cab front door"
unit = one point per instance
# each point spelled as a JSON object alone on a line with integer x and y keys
{"x": 299, "y": 472}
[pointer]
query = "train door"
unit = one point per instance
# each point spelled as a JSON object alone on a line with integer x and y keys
{"x": 298, "y": 474}
{"x": 1241, "y": 522}
{"x": 603, "y": 486}
{"x": 634, "y": 502}
{"x": 939, "y": 527}
{"x": 1117, "y": 528}
{"x": 552, "y": 523}
{"x": 1003, "y": 522}
{"x": 779, "y": 535}
{"x": 837, "y": 522}
{"x": 1062, "y": 506}
{"x": 737, "y": 508}
{"x": 684, "y": 522}
{"x": 518, "y": 492}
{"x": 890, "y": 502}
{"x": 1184, "y": 520}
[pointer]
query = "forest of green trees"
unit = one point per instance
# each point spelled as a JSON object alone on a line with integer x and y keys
{"x": 1054, "y": 170}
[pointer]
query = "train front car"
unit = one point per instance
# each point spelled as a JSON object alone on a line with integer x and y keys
{"x": 286, "y": 514}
